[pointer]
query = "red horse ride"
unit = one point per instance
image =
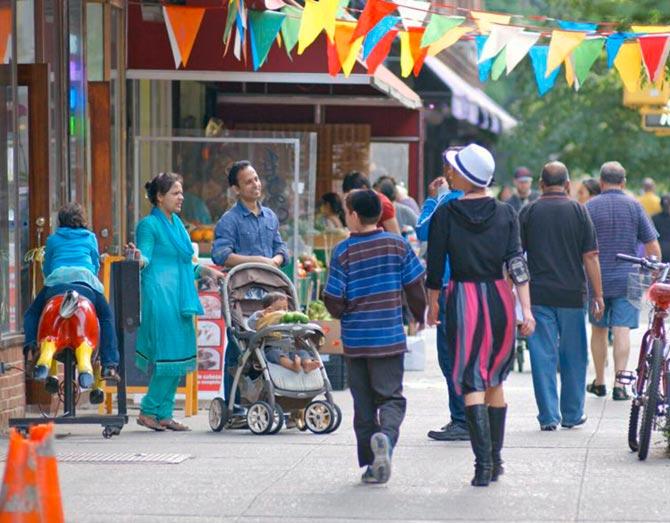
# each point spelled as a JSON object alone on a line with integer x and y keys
{"x": 68, "y": 322}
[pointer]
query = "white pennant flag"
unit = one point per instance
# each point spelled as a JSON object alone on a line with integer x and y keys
{"x": 176, "y": 53}
{"x": 518, "y": 48}
{"x": 413, "y": 12}
{"x": 500, "y": 36}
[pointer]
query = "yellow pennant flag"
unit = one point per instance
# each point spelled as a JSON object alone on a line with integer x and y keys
{"x": 347, "y": 52}
{"x": 654, "y": 29}
{"x": 562, "y": 44}
{"x": 316, "y": 17}
{"x": 406, "y": 60}
{"x": 485, "y": 20}
{"x": 450, "y": 38}
{"x": 629, "y": 64}
{"x": 570, "y": 72}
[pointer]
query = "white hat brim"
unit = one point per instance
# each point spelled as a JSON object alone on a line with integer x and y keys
{"x": 450, "y": 156}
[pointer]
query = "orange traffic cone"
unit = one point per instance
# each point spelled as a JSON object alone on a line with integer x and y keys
{"x": 19, "y": 500}
{"x": 47, "y": 473}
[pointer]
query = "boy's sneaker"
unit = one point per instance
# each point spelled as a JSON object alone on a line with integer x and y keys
{"x": 110, "y": 373}
{"x": 368, "y": 476}
{"x": 381, "y": 448}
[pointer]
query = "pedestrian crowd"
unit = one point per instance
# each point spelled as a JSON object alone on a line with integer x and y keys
{"x": 525, "y": 263}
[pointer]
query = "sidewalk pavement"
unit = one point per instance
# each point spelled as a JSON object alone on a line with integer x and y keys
{"x": 582, "y": 474}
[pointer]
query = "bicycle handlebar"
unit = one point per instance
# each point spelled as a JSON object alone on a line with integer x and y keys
{"x": 644, "y": 262}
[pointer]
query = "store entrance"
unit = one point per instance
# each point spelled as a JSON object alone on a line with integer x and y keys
{"x": 32, "y": 142}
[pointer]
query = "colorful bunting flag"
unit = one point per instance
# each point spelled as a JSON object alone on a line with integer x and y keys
{"x": 518, "y": 48}
{"x": 538, "y": 56}
{"x": 377, "y": 33}
{"x": 406, "y": 60}
{"x": 629, "y": 63}
{"x": 317, "y": 17}
{"x": 438, "y": 26}
{"x": 5, "y": 33}
{"x": 263, "y": 29}
{"x": 374, "y": 11}
{"x": 650, "y": 29}
{"x": 570, "y": 73}
{"x": 381, "y": 51}
{"x": 577, "y": 26}
{"x": 500, "y": 36}
{"x": 655, "y": 50}
{"x": 273, "y": 5}
{"x": 231, "y": 16}
{"x": 484, "y": 66}
{"x": 334, "y": 65}
{"x": 449, "y": 39}
{"x": 412, "y": 55}
{"x": 347, "y": 52}
{"x": 561, "y": 45}
{"x": 484, "y": 20}
{"x": 413, "y": 12}
{"x": 612, "y": 46}
{"x": 290, "y": 29}
{"x": 585, "y": 56}
{"x": 182, "y": 25}
{"x": 498, "y": 66}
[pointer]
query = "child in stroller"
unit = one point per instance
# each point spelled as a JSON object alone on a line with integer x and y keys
{"x": 275, "y": 302}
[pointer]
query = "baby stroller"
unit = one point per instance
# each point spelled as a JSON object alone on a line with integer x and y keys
{"x": 269, "y": 392}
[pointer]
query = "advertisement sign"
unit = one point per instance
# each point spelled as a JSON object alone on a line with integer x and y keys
{"x": 211, "y": 345}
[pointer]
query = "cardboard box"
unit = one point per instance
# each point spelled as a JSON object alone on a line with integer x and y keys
{"x": 332, "y": 343}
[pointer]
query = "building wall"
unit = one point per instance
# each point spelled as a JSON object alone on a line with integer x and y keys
{"x": 12, "y": 387}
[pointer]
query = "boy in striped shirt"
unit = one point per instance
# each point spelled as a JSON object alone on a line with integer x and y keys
{"x": 367, "y": 274}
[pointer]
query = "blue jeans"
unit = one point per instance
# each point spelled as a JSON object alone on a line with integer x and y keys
{"x": 456, "y": 404}
{"x": 108, "y": 346}
{"x": 559, "y": 337}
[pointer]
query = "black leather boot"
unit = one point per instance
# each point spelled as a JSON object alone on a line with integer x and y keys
{"x": 480, "y": 439}
{"x": 497, "y": 423}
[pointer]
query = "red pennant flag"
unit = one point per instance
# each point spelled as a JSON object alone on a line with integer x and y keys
{"x": 182, "y": 24}
{"x": 374, "y": 11}
{"x": 5, "y": 31}
{"x": 654, "y": 54}
{"x": 333, "y": 58}
{"x": 418, "y": 53}
{"x": 381, "y": 51}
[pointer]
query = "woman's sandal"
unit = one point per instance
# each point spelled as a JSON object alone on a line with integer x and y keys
{"x": 172, "y": 424}
{"x": 150, "y": 423}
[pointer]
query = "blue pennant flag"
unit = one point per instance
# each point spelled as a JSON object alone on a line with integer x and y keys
{"x": 538, "y": 56}
{"x": 485, "y": 66}
{"x": 577, "y": 26}
{"x": 377, "y": 33}
{"x": 614, "y": 43}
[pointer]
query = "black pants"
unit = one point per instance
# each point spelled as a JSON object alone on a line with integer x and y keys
{"x": 379, "y": 406}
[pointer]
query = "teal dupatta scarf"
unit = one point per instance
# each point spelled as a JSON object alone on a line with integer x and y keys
{"x": 176, "y": 232}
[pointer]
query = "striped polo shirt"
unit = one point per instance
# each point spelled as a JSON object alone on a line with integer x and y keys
{"x": 368, "y": 271}
{"x": 621, "y": 224}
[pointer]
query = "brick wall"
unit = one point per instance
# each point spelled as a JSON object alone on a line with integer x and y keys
{"x": 12, "y": 387}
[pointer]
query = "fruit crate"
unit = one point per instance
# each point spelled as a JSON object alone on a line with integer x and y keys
{"x": 336, "y": 367}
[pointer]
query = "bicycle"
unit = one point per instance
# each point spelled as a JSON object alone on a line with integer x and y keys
{"x": 653, "y": 365}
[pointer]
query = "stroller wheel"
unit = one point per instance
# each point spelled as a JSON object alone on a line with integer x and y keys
{"x": 277, "y": 419}
{"x": 218, "y": 414}
{"x": 260, "y": 418}
{"x": 337, "y": 418}
{"x": 319, "y": 417}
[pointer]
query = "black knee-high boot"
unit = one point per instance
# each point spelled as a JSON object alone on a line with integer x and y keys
{"x": 497, "y": 423}
{"x": 480, "y": 439}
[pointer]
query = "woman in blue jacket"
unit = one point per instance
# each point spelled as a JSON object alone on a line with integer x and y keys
{"x": 72, "y": 262}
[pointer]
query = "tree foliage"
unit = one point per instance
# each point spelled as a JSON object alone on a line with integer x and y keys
{"x": 586, "y": 128}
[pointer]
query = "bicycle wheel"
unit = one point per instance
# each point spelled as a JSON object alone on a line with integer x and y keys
{"x": 633, "y": 426}
{"x": 651, "y": 399}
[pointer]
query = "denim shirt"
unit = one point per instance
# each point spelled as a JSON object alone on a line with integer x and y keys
{"x": 423, "y": 223}
{"x": 240, "y": 231}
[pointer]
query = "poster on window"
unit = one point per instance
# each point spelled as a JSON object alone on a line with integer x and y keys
{"x": 211, "y": 345}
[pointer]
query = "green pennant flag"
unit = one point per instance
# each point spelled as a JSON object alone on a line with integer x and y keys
{"x": 290, "y": 29}
{"x": 264, "y": 28}
{"x": 499, "y": 65}
{"x": 585, "y": 56}
{"x": 230, "y": 21}
{"x": 438, "y": 25}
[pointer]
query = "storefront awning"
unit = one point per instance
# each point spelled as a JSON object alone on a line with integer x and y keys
{"x": 467, "y": 101}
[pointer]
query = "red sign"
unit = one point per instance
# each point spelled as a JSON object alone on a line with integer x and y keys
{"x": 211, "y": 343}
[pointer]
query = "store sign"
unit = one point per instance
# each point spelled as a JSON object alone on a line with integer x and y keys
{"x": 211, "y": 345}
{"x": 656, "y": 119}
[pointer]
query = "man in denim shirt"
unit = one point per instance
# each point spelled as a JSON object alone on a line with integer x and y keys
{"x": 247, "y": 232}
{"x": 457, "y": 429}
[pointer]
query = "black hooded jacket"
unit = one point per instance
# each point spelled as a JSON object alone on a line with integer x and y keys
{"x": 479, "y": 236}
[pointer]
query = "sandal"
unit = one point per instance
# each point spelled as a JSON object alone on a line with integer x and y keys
{"x": 149, "y": 422}
{"x": 598, "y": 390}
{"x": 620, "y": 394}
{"x": 172, "y": 424}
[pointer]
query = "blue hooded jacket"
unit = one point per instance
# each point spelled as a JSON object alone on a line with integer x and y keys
{"x": 76, "y": 252}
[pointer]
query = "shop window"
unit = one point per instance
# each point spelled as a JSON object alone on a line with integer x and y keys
{"x": 389, "y": 159}
{"x": 95, "y": 50}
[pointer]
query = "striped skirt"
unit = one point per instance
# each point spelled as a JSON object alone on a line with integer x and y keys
{"x": 480, "y": 328}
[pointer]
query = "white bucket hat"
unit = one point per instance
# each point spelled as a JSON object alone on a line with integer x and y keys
{"x": 474, "y": 163}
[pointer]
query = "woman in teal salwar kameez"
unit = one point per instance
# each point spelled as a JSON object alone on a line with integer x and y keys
{"x": 166, "y": 339}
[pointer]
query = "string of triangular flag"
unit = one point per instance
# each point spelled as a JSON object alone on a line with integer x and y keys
{"x": 423, "y": 29}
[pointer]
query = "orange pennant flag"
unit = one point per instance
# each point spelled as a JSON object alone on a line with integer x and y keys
{"x": 5, "y": 31}
{"x": 418, "y": 53}
{"x": 347, "y": 51}
{"x": 182, "y": 25}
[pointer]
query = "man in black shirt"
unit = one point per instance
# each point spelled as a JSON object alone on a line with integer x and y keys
{"x": 524, "y": 194}
{"x": 560, "y": 242}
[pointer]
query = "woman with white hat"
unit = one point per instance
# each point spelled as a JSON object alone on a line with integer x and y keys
{"x": 481, "y": 237}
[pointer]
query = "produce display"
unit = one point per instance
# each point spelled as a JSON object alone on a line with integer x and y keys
{"x": 316, "y": 310}
{"x": 307, "y": 264}
{"x": 295, "y": 317}
{"x": 202, "y": 233}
